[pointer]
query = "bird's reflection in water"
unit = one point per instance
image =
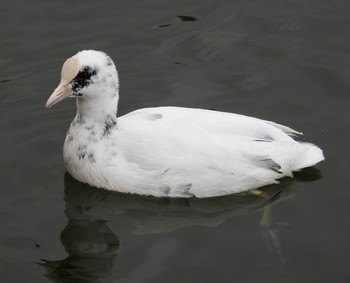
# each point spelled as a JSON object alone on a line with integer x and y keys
{"x": 92, "y": 246}
{"x": 270, "y": 229}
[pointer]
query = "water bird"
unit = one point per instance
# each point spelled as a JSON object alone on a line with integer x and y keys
{"x": 168, "y": 151}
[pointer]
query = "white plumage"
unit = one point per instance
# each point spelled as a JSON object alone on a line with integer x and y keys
{"x": 168, "y": 151}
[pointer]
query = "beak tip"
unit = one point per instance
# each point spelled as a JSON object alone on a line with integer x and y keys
{"x": 60, "y": 93}
{"x": 47, "y": 105}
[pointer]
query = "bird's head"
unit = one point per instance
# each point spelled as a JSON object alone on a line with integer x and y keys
{"x": 86, "y": 75}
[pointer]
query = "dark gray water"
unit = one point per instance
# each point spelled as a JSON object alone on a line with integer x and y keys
{"x": 286, "y": 61}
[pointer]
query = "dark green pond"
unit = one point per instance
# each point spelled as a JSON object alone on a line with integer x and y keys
{"x": 285, "y": 61}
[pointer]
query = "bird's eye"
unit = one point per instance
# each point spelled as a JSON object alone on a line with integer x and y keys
{"x": 82, "y": 79}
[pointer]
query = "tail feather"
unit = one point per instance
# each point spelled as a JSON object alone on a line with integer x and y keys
{"x": 310, "y": 156}
{"x": 285, "y": 129}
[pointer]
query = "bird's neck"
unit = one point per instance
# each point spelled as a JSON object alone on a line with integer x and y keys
{"x": 100, "y": 113}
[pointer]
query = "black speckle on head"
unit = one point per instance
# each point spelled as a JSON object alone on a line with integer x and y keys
{"x": 83, "y": 79}
{"x": 110, "y": 123}
{"x": 109, "y": 62}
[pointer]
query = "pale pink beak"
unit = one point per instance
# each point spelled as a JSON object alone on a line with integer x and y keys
{"x": 61, "y": 92}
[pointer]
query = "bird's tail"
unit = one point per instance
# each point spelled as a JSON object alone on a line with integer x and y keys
{"x": 309, "y": 156}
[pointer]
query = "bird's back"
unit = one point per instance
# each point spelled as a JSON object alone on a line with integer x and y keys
{"x": 183, "y": 151}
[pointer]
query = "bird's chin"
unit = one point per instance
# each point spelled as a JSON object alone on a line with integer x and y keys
{"x": 61, "y": 92}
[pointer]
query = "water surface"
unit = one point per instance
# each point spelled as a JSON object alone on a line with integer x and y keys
{"x": 286, "y": 61}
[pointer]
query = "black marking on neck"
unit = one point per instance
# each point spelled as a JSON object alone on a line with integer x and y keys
{"x": 79, "y": 119}
{"x": 109, "y": 125}
{"x": 115, "y": 88}
{"x": 92, "y": 134}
